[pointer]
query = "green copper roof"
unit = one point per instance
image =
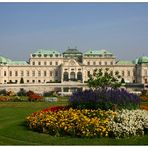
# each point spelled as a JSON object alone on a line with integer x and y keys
{"x": 18, "y": 63}
{"x": 4, "y": 60}
{"x": 72, "y": 51}
{"x": 124, "y": 62}
{"x": 136, "y": 61}
{"x": 97, "y": 52}
{"x": 46, "y": 52}
{"x": 143, "y": 59}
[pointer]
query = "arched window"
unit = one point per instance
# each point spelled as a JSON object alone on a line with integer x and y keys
{"x": 79, "y": 76}
{"x": 65, "y": 76}
{"x": 72, "y": 75}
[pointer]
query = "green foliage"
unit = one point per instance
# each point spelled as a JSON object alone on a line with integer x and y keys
{"x": 22, "y": 92}
{"x": 122, "y": 81}
{"x": 21, "y": 81}
{"x": 104, "y": 80}
{"x": 3, "y": 92}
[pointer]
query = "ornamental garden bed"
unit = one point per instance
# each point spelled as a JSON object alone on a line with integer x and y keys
{"x": 111, "y": 113}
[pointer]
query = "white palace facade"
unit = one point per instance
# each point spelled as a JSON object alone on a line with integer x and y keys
{"x": 50, "y": 66}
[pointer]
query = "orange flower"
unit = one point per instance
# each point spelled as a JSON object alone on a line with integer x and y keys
{"x": 144, "y": 107}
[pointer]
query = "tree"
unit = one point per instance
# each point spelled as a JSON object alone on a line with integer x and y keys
{"x": 122, "y": 81}
{"x": 104, "y": 80}
{"x": 22, "y": 80}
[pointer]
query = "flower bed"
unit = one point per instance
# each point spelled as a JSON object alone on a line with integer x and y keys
{"x": 128, "y": 123}
{"x": 104, "y": 99}
{"x": 73, "y": 122}
{"x": 61, "y": 121}
{"x": 145, "y": 107}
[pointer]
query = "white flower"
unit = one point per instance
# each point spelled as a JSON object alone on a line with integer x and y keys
{"x": 129, "y": 122}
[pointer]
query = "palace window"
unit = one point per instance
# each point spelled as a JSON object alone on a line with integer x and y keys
{"x": 56, "y": 63}
{"x": 50, "y": 63}
{"x": 22, "y": 73}
{"x": 88, "y": 63}
{"x": 33, "y": 63}
{"x": 45, "y": 63}
{"x": 105, "y": 63}
{"x": 27, "y": 81}
{"x": 33, "y": 81}
{"x": 128, "y": 73}
{"x": 88, "y": 73}
{"x": 39, "y": 63}
{"x": 39, "y": 81}
{"x": 10, "y": 73}
{"x": 5, "y": 73}
{"x": 100, "y": 63}
{"x": 51, "y": 73}
{"x": 45, "y": 73}
{"x": 39, "y": 73}
{"x": 94, "y": 63}
{"x": 56, "y": 73}
{"x": 111, "y": 63}
{"x": 122, "y": 73}
{"x": 33, "y": 73}
{"x": 16, "y": 73}
{"x": 27, "y": 73}
{"x": 111, "y": 73}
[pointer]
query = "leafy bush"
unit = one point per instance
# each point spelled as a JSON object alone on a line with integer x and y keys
{"x": 22, "y": 92}
{"x": 104, "y": 99}
{"x": 3, "y": 92}
{"x": 5, "y": 98}
{"x": 128, "y": 123}
{"x": 48, "y": 94}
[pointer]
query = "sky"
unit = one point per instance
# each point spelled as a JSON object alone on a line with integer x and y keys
{"x": 121, "y": 28}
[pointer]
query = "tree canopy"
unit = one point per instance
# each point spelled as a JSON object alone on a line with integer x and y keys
{"x": 104, "y": 79}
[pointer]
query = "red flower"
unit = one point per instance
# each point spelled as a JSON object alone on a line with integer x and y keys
{"x": 54, "y": 108}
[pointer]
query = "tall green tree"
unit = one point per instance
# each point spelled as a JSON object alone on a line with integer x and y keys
{"x": 22, "y": 80}
{"x": 104, "y": 80}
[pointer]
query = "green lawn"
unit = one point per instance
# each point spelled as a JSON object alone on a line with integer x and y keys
{"x": 14, "y": 132}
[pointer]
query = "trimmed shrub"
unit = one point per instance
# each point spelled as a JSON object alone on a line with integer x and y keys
{"x": 22, "y": 92}
{"x": 3, "y": 92}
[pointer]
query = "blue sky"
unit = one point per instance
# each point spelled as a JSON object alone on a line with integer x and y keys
{"x": 121, "y": 28}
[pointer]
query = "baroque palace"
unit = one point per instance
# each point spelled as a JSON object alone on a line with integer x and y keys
{"x": 48, "y": 66}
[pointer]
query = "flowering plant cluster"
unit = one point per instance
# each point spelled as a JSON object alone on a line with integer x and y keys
{"x": 145, "y": 107}
{"x": 33, "y": 96}
{"x": 54, "y": 108}
{"x": 61, "y": 121}
{"x": 73, "y": 122}
{"x": 5, "y": 98}
{"x": 144, "y": 98}
{"x": 104, "y": 99}
{"x": 128, "y": 123}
